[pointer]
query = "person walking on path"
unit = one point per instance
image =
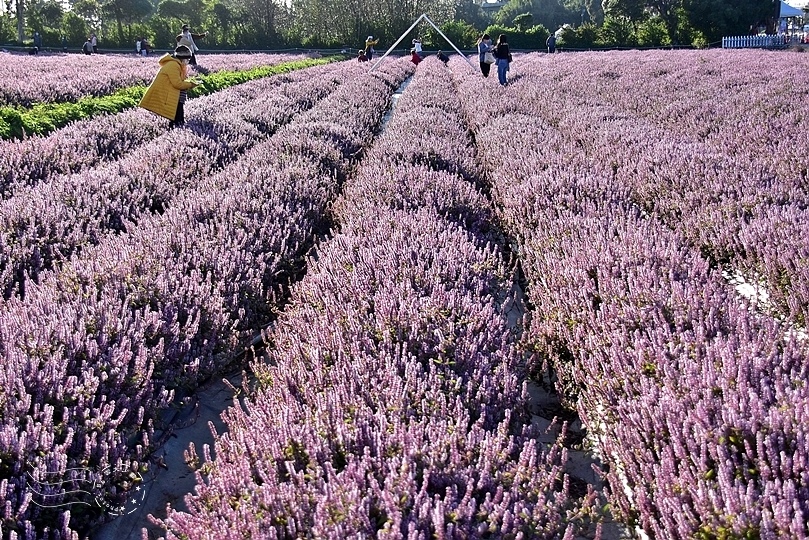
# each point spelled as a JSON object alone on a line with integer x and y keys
{"x": 503, "y": 55}
{"x": 369, "y": 47}
{"x": 94, "y": 43}
{"x": 187, "y": 38}
{"x": 64, "y": 44}
{"x": 485, "y": 54}
{"x": 551, "y": 43}
{"x": 37, "y": 42}
{"x": 166, "y": 95}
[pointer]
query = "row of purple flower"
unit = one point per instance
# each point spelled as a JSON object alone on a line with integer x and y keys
{"x": 696, "y": 400}
{"x": 391, "y": 403}
{"x": 93, "y": 351}
{"x": 56, "y": 217}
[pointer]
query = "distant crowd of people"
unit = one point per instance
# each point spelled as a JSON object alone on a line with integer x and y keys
{"x": 91, "y": 45}
{"x": 142, "y": 45}
{"x": 489, "y": 53}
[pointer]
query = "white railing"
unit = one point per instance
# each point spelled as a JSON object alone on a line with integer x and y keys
{"x": 758, "y": 42}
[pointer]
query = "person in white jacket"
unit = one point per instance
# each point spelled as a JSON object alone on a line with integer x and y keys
{"x": 187, "y": 38}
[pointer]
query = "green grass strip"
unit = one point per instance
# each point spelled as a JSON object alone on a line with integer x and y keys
{"x": 17, "y": 122}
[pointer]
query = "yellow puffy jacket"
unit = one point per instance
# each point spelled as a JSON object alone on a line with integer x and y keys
{"x": 163, "y": 94}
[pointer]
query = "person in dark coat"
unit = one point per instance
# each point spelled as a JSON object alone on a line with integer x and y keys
{"x": 551, "y": 43}
{"x": 503, "y": 55}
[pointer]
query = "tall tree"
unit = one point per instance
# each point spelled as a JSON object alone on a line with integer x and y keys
{"x": 638, "y": 10}
{"x": 594, "y": 11}
{"x": 470, "y": 11}
{"x": 74, "y": 28}
{"x": 321, "y": 22}
{"x": 669, "y": 13}
{"x": 633, "y": 10}
{"x": 222, "y": 17}
{"x": 6, "y": 23}
{"x": 19, "y": 8}
{"x": 126, "y": 11}
{"x": 549, "y": 13}
{"x": 717, "y": 18}
{"x": 45, "y": 17}
{"x": 89, "y": 10}
{"x": 172, "y": 9}
{"x": 263, "y": 19}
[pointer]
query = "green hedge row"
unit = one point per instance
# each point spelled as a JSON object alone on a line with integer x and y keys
{"x": 18, "y": 122}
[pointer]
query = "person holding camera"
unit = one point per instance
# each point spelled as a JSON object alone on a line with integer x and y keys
{"x": 167, "y": 94}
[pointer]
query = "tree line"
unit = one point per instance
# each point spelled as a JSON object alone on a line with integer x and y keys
{"x": 279, "y": 24}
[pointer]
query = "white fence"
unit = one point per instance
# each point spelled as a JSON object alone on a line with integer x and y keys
{"x": 758, "y": 42}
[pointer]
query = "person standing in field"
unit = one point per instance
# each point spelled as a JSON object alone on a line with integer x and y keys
{"x": 414, "y": 56}
{"x": 503, "y": 55}
{"x": 94, "y": 43}
{"x": 187, "y": 38}
{"x": 551, "y": 43}
{"x": 369, "y": 47}
{"x": 485, "y": 55}
{"x": 167, "y": 94}
{"x": 361, "y": 56}
{"x": 417, "y": 47}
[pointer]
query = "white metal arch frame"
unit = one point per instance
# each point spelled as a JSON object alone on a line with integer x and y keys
{"x": 412, "y": 26}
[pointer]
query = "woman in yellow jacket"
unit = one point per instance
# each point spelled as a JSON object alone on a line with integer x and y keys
{"x": 166, "y": 95}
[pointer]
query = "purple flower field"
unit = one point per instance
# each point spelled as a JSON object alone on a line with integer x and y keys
{"x": 25, "y": 80}
{"x": 377, "y": 264}
{"x": 102, "y": 343}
